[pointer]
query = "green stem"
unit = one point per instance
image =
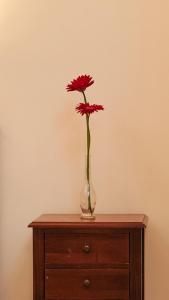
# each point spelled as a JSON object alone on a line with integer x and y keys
{"x": 88, "y": 155}
{"x": 85, "y": 100}
{"x": 88, "y": 148}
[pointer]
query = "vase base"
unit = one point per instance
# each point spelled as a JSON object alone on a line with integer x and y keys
{"x": 87, "y": 217}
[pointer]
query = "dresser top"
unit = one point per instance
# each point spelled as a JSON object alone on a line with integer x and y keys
{"x": 101, "y": 221}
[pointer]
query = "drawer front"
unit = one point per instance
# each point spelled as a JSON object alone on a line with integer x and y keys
{"x": 79, "y": 284}
{"x": 113, "y": 250}
{"x": 86, "y": 249}
{"x": 61, "y": 249}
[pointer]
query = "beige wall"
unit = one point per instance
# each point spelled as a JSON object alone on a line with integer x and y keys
{"x": 124, "y": 45}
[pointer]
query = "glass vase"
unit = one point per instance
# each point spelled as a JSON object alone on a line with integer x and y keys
{"x": 87, "y": 195}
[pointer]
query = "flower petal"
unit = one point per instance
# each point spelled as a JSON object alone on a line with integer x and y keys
{"x": 80, "y": 83}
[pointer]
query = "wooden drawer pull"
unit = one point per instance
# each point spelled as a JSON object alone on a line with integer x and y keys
{"x": 86, "y": 283}
{"x": 86, "y": 248}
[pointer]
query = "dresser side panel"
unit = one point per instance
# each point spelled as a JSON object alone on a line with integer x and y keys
{"x": 137, "y": 264}
{"x": 38, "y": 264}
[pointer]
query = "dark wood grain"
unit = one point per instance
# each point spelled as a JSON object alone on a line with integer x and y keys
{"x": 70, "y": 249}
{"x": 38, "y": 264}
{"x": 137, "y": 264}
{"x": 114, "y": 263}
{"x": 101, "y": 221}
{"x": 110, "y": 284}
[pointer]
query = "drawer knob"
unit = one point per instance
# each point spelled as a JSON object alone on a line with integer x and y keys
{"x": 86, "y": 283}
{"x": 86, "y": 248}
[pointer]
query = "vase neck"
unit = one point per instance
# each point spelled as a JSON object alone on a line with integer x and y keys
{"x": 88, "y": 168}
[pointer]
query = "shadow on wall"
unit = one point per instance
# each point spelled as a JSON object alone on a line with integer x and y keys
{"x": 156, "y": 262}
{"x": 18, "y": 284}
{"x": 15, "y": 270}
{"x": 1, "y": 208}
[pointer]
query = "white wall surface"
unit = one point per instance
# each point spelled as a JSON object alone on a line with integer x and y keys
{"x": 124, "y": 45}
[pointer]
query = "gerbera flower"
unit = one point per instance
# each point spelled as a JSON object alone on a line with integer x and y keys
{"x": 86, "y": 108}
{"x": 80, "y": 83}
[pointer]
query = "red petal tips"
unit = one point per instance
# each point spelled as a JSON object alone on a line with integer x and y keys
{"x": 80, "y": 83}
{"x": 86, "y": 108}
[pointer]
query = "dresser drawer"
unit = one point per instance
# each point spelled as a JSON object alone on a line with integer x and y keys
{"x": 79, "y": 284}
{"x": 113, "y": 249}
{"x": 85, "y": 249}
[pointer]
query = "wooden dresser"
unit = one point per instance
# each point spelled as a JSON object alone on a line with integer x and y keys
{"x": 75, "y": 259}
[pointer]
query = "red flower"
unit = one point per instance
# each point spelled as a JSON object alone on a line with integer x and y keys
{"x": 86, "y": 108}
{"x": 80, "y": 83}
